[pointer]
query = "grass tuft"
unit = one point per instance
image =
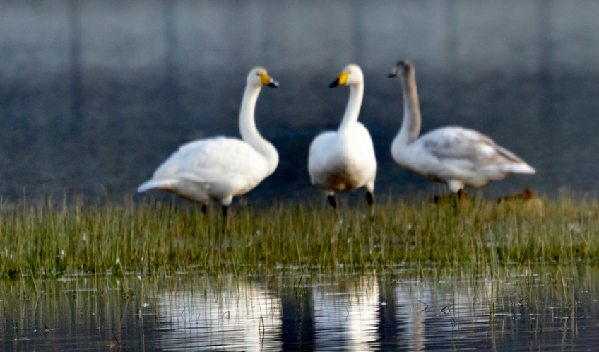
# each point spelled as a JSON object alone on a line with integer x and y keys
{"x": 50, "y": 240}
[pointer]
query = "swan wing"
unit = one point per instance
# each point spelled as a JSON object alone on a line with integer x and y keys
{"x": 466, "y": 146}
{"x": 455, "y": 153}
{"x": 213, "y": 160}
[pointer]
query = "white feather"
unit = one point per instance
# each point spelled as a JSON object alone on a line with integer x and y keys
{"x": 220, "y": 168}
{"x": 343, "y": 160}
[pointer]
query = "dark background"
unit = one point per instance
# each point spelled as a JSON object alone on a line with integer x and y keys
{"x": 94, "y": 95}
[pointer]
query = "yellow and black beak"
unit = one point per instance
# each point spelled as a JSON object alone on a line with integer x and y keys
{"x": 341, "y": 80}
{"x": 267, "y": 81}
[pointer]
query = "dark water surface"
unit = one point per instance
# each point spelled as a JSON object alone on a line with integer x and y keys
{"x": 517, "y": 309}
{"x": 94, "y": 95}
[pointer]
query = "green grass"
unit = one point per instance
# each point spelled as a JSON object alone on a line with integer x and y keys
{"x": 49, "y": 239}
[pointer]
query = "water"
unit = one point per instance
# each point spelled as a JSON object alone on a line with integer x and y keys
{"x": 519, "y": 309}
{"x": 94, "y": 95}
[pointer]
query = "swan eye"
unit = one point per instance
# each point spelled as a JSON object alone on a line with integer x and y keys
{"x": 264, "y": 78}
{"x": 343, "y": 78}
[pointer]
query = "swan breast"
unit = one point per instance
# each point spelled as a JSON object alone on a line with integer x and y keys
{"x": 342, "y": 161}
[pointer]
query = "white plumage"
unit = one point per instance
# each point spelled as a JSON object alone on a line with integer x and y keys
{"x": 221, "y": 168}
{"x": 454, "y": 155}
{"x": 343, "y": 160}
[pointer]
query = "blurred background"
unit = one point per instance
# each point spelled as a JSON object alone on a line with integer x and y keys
{"x": 94, "y": 95}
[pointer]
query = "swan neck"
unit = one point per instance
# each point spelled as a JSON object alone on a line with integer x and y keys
{"x": 354, "y": 103}
{"x": 249, "y": 132}
{"x": 410, "y": 127}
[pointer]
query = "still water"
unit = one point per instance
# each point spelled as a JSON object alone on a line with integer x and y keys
{"x": 415, "y": 309}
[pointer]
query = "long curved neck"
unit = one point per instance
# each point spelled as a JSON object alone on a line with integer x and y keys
{"x": 356, "y": 93}
{"x": 247, "y": 128}
{"x": 410, "y": 127}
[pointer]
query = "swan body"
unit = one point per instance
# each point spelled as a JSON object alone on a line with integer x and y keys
{"x": 454, "y": 155}
{"x": 344, "y": 160}
{"x": 220, "y": 168}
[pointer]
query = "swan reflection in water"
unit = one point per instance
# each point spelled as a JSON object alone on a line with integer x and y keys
{"x": 347, "y": 319}
{"x": 239, "y": 317}
{"x": 345, "y": 314}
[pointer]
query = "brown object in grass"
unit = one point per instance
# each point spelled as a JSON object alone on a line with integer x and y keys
{"x": 532, "y": 203}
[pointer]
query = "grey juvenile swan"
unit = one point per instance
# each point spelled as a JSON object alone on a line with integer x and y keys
{"x": 454, "y": 155}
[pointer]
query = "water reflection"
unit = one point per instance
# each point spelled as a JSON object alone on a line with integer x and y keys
{"x": 347, "y": 319}
{"x": 435, "y": 314}
{"x": 548, "y": 308}
{"x": 244, "y": 317}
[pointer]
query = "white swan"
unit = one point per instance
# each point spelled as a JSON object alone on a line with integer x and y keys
{"x": 454, "y": 155}
{"x": 343, "y": 160}
{"x": 221, "y": 168}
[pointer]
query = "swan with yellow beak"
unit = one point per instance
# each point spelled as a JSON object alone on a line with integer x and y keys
{"x": 344, "y": 160}
{"x": 220, "y": 168}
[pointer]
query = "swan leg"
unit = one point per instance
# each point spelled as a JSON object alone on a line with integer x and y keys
{"x": 204, "y": 208}
{"x": 225, "y": 211}
{"x": 455, "y": 186}
{"x": 461, "y": 199}
{"x": 370, "y": 198}
{"x": 332, "y": 201}
{"x": 370, "y": 201}
{"x": 458, "y": 196}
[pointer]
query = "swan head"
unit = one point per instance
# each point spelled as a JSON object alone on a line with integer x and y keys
{"x": 259, "y": 77}
{"x": 403, "y": 69}
{"x": 351, "y": 74}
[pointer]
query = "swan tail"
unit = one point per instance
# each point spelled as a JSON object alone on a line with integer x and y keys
{"x": 160, "y": 184}
{"x": 520, "y": 168}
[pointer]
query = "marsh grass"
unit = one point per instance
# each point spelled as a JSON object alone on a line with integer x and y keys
{"x": 50, "y": 239}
